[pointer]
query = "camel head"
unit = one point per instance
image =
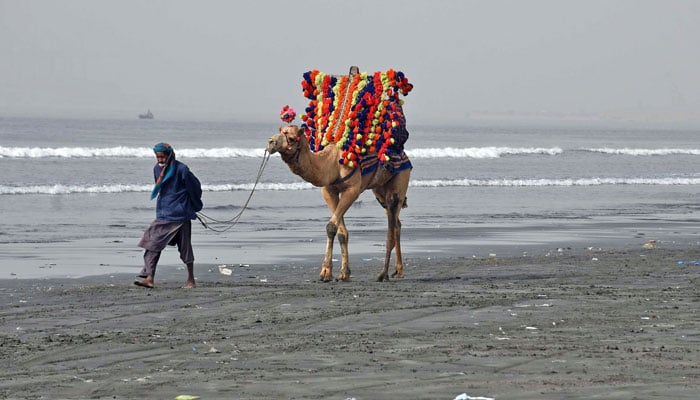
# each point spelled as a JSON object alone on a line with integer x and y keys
{"x": 288, "y": 141}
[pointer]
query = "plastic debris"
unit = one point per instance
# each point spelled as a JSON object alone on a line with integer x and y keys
{"x": 650, "y": 244}
{"x": 465, "y": 396}
{"x": 224, "y": 270}
{"x": 186, "y": 397}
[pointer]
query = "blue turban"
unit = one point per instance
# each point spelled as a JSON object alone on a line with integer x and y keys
{"x": 163, "y": 148}
{"x": 168, "y": 170}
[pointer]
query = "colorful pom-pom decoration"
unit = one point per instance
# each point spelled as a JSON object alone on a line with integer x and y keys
{"x": 360, "y": 113}
{"x": 287, "y": 114}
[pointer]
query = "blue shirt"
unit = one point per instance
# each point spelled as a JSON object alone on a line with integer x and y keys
{"x": 180, "y": 196}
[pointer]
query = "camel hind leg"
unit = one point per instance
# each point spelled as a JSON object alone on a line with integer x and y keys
{"x": 393, "y": 200}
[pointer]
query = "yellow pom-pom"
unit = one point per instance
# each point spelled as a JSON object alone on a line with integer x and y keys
{"x": 394, "y": 124}
{"x": 351, "y": 164}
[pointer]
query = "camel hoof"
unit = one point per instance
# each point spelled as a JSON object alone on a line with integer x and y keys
{"x": 326, "y": 274}
{"x": 343, "y": 279}
{"x": 383, "y": 278}
{"x": 397, "y": 275}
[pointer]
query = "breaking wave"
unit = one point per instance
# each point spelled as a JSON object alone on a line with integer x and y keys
{"x": 555, "y": 182}
{"x": 125, "y": 188}
{"x": 123, "y": 152}
{"x": 234, "y": 152}
{"x": 480, "y": 152}
{"x": 646, "y": 152}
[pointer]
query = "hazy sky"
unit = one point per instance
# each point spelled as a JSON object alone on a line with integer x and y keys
{"x": 243, "y": 60}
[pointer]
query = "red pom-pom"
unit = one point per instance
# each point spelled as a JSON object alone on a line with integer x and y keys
{"x": 287, "y": 114}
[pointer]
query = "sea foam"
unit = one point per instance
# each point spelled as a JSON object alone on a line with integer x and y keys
{"x": 234, "y": 152}
{"x": 59, "y": 189}
{"x": 480, "y": 152}
{"x": 645, "y": 152}
{"x": 123, "y": 152}
{"x": 554, "y": 182}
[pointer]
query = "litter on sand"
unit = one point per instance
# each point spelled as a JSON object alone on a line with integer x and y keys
{"x": 465, "y": 396}
{"x": 650, "y": 244}
{"x": 224, "y": 270}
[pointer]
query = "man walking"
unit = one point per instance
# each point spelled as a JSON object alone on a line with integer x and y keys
{"x": 179, "y": 197}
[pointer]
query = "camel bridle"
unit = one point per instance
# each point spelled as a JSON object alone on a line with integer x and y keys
{"x": 293, "y": 148}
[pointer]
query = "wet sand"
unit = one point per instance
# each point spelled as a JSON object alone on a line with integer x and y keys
{"x": 573, "y": 323}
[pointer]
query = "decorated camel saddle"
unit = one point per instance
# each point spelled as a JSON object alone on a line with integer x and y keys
{"x": 361, "y": 113}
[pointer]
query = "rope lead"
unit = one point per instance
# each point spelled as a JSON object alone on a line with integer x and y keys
{"x": 207, "y": 221}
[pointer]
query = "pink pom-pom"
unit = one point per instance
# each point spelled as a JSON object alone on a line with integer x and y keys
{"x": 287, "y": 114}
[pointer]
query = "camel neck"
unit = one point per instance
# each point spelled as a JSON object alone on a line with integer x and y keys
{"x": 319, "y": 169}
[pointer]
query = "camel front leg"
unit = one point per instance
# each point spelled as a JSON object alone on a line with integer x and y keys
{"x": 347, "y": 198}
{"x": 327, "y": 266}
{"x": 331, "y": 199}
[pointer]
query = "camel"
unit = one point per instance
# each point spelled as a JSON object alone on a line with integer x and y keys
{"x": 340, "y": 186}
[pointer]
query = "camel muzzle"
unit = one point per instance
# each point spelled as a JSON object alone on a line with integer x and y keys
{"x": 273, "y": 144}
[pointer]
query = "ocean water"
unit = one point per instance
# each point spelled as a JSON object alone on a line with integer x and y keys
{"x": 79, "y": 190}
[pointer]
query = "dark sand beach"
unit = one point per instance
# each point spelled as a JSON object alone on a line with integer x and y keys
{"x": 576, "y": 323}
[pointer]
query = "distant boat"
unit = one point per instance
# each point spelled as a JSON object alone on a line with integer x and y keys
{"x": 148, "y": 115}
